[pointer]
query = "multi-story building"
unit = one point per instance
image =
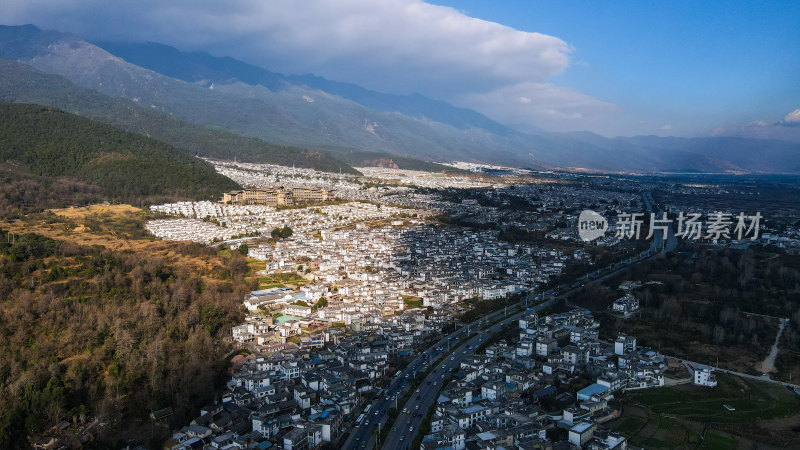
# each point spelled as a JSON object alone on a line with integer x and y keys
{"x": 276, "y": 196}
{"x": 704, "y": 377}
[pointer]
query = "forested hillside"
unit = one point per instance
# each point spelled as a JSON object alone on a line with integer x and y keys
{"x": 123, "y": 166}
{"x": 109, "y": 334}
{"x": 22, "y": 83}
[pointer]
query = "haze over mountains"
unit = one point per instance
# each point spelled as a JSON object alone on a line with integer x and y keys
{"x": 204, "y": 91}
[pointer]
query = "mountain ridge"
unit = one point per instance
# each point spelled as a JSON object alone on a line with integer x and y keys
{"x": 22, "y": 83}
{"x": 283, "y": 113}
{"x": 209, "y": 69}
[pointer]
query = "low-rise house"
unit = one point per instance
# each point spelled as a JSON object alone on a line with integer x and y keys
{"x": 625, "y": 305}
{"x": 581, "y": 434}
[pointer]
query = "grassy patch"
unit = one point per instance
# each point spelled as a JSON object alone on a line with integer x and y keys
{"x": 670, "y": 434}
{"x": 718, "y": 440}
{"x": 281, "y": 280}
{"x": 629, "y": 425}
{"x": 412, "y": 302}
{"x": 753, "y": 400}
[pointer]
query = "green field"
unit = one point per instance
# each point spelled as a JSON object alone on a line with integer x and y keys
{"x": 718, "y": 440}
{"x": 652, "y": 430}
{"x": 752, "y": 399}
{"x": 676, "y": 416}
{"x": 412, "y": 302}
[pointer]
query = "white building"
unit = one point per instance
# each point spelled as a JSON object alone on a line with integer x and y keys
{"x": 624, "y": 344}
{"x": 581, "y": 433}
{"x": 625, "y": 305}
{"x": 703, "y": 376}
{"x": 297, "y": 310}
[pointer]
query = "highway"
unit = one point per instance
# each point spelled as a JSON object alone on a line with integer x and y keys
{"x": 362, "y": 435}
{"x": 414, "y": 411}
{"x": 411, "y": 415}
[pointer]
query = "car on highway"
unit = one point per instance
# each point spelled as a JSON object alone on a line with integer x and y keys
{"x": 411, "y": 428}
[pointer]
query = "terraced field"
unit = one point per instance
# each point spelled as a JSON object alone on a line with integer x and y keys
{"x": 691, "y": 417}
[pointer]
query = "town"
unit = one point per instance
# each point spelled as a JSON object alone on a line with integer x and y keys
{"x": 515, "y": 391}
{"x": 399, "y": 225}
{"x": 406, "y": 309}
{"x": 371, "y": 277}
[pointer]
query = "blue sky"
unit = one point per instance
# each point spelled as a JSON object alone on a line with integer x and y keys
{"x": 613, "y": 67}
{"x": 694, "y": 65}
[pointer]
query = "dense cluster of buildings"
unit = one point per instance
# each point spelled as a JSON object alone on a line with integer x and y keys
{"x": 381, "y": 280}
{"x": 516, "y": 393}
{"x": 208, "y": 222}
{"x": 300, "y": 396}
{"x": 438, "y": 265}
{"x": 507, "y": 397}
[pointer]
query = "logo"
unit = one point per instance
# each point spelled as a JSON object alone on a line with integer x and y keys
{"x": 591, "y": 225}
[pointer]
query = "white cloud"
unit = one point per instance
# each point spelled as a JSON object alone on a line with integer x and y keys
{"x": 666, "y": 127}
{"x": 793, "y": 117}
{"x": 392, "y": 45}
{"x": 547, "y": 106}
{"x": 436, "y": 43}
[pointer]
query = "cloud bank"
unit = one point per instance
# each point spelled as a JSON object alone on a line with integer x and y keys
{"x": 392, "y": 45}
{"x": 528, "y": 105}
{"x": 793, "y": 117}
{"x": 787, "y": 129}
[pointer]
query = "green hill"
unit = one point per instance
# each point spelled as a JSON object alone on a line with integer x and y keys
{"x": 22, "y": 83}
{"x": 125, "y": 166}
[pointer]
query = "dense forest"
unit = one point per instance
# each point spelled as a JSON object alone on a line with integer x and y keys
{"x": 112, "y": 334}
{"x": 22, "y": 83}
{"x": 85, "y": 330}
{"x": 124, "y": 166}
{"x": 704, "y": 303}
{"x": 22, "y": 192}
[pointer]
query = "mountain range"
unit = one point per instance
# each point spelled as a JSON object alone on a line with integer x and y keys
{"x": 257, "y": 109}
